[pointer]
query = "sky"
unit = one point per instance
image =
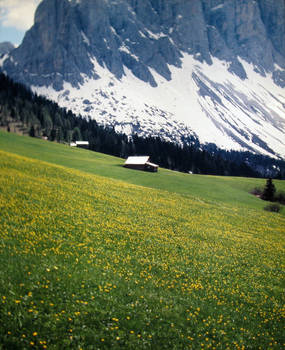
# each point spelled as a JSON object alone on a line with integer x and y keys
{"x": 16, "y": 17}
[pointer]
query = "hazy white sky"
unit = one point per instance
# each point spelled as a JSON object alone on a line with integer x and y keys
{"x": 16, "y": 16}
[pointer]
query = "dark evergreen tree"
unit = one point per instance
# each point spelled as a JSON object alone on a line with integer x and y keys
{"x": 32, "y": 131}
{"x": 268, "y": 191}
{"x": 76, "y": 134}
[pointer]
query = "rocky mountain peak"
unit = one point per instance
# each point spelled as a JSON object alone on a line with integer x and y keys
{"x": 166, "y": 56}
{"x": 149, "y": 34}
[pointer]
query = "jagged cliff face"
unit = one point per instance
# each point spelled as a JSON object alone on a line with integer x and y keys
{"x": 104, "y": 41}
{"x": 149, "y": 34}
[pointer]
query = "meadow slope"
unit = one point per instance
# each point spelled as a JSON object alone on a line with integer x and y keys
{"x": 232, "y": 190}
{"x": 95, "y": 262}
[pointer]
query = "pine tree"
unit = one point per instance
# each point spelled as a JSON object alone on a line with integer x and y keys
{"x": 32, "y": 131}
{"x": 268, "y": 191}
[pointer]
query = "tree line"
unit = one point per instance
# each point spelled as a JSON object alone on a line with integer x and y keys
{"x": 40, "y": 117}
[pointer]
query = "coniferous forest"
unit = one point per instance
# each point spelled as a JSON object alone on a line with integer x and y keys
{"x": 25, "y": 112}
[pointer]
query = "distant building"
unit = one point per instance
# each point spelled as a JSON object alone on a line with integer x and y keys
{"x": 81, "y": 144}
{"x": 140, "y": 163}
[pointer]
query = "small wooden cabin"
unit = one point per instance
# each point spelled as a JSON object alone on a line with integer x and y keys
{"x": 141, "y": 163}
{"x": 81, "y": 144}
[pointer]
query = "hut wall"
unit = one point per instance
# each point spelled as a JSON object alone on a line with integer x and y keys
{"x": 135, "y": 166}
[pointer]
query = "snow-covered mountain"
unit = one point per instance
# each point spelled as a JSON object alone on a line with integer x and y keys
{"x": 211, "y": 68}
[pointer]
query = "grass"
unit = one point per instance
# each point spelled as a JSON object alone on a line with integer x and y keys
{"x": 231, "y": 190}
{"x": 130, "y": 259}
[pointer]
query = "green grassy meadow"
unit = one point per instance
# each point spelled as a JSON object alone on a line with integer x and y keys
{"x": 96, "y": 256}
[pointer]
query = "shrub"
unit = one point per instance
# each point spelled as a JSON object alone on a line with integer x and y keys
{"x": 257, "y": 191}
{"x": 280, "y": 197}
{"x": 273, "y": 207}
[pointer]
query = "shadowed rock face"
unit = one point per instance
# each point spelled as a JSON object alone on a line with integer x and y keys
{"x": 6, "y": 47}
{"x": 147, "y": 34}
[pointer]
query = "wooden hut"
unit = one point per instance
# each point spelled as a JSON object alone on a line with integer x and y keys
{"x": 80, "y": 144}
{"x": 140, "y": 163}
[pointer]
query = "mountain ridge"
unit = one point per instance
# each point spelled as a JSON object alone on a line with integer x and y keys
{"x": 144, "y": 48}
{"x": 6, "y": 47}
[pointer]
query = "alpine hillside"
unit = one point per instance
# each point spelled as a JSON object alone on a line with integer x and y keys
{"x": 214, "y": 69}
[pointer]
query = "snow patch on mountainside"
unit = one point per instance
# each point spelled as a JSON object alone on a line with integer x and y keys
{"x": 202, "y": 99}
{"x": 3, "y": 58}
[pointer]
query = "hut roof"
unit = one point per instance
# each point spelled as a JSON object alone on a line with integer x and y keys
{"x": 137, "y": 160}
{"x": 82, "y": 142}
{"x": 152, "y": 164}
